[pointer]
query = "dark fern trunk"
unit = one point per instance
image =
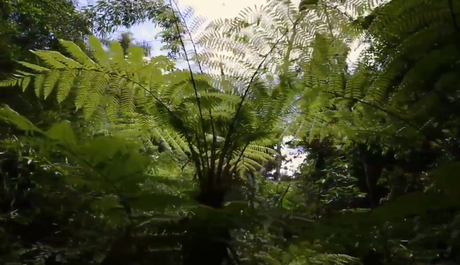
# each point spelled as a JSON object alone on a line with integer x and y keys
{"x": 206, "y": 241}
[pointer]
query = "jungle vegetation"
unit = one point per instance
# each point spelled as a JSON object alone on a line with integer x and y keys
{"x": 111, "y": 156}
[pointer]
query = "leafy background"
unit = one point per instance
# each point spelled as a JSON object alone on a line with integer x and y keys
{"x": 113, "y": 155}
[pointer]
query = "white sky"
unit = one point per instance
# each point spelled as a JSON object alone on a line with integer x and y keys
{"x": 214, "y": 9}
{"x": 209, "y": 9}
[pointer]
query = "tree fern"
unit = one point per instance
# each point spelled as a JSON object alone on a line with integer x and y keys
{"x": 385, "y": 95}
{"x": 161, "y": 105}
{"x": 297, "y": 33}
{"x": 410, "y": 63}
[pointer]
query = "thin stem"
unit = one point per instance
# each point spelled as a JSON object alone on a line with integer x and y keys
{"x": 195, "y": 88}
{"x": 214, "y": 136}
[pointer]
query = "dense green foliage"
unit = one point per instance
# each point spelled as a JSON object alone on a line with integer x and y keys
{"x": 27, "y": 25}
{"x": 109, "y": 158}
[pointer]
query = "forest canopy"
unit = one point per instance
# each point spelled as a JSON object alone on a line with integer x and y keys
{"x": 112, "y": 155}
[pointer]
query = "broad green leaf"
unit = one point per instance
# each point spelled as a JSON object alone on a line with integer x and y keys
{"x": 15, "y": 118}
{"x": 101, "y": 149}
{"x": 129, "y": 164}
{"x": 62, "y": 132}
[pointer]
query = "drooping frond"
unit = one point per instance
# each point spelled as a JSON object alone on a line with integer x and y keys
{"x": 410, "y": 40}
{"x": 324, "y": 77}
{"x": 385, "y": 94}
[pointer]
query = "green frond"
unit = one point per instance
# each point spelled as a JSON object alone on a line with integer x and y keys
{"x": 98, "y": 51}
{"x": 11, "y": 116}
{"x": 13, "y": 81}
{"x": 49, "y": 83}
{"x": 417, "y": 41}
{"x": 25, "y": 82}
{"x": 36, "y": 68}
{"x": 77, "y": 53}
{"x": 48, "y": 59}
{"x": 117, "y": 55}
{"x": 145, "y": 100}
{"x": 65, "y": 84}
{"x": 38, "y": 84}
{"x": 136, "y": 58}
